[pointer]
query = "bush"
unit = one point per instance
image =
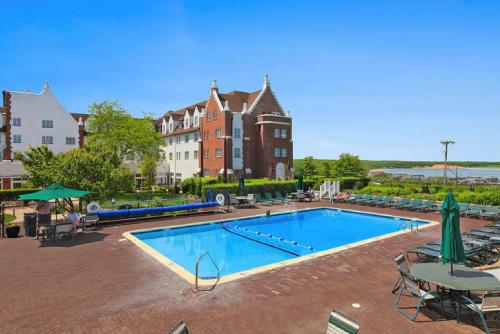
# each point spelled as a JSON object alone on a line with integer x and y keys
{"x": 194, "y": 185}
{"x": 253, "y": 187}
{"x": 13, "y": 194}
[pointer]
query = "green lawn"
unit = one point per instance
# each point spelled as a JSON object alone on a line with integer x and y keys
{"x": 375, "y": 164}
{"x": 9, "y": 218}
{"x": 143, "y": 200}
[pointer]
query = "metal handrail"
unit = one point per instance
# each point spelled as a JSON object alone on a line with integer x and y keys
{"x": 197, "y": 273}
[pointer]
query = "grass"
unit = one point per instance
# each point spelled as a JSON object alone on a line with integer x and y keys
{"x": 143, "y": 200}
{"x": 9, "y": 218}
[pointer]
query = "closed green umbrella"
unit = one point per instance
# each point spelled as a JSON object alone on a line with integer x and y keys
{"x": 241, "y": 183}
{"x": 452, "y": 248}
{"x": 300, "y": 182}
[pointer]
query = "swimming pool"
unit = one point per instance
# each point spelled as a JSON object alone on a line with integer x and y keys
{"x": 243, "y": 246}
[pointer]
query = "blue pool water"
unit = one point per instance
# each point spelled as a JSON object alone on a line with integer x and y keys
{"x": 244, "y": 244}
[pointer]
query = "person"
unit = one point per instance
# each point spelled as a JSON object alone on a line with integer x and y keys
{"x": 73, "y": 217}
{"x": 42, "y": 210}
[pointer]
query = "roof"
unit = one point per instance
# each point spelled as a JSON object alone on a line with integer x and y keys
{"x": 180, "y": 131}
{"x": 180, "y": 112}
{"x": 10, "y": 168}
{"x": 77, "y": 116}
{"x": 236, "y": 99}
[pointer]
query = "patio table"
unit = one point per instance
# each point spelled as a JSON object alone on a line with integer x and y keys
{"x": 463, "y": 279}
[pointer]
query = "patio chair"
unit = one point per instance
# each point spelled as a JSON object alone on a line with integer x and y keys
{"x": 404, "y": 270}
{"x": 233, "y": 201}
{"x": 339, "y": 323}
{"x": 428, "y": 205}
{"x": 490, "y": 302}
{"x": 412, "y": 205}
{"x": 251, "y": 200}
{"x": 384, "y": 202}
{"x": 259, "y": 199}
{"x": 464, "y": 207}
{"x": 492, "y": 212}
{"x": 475, "y": 211}
{"x": 90, "y": 221}
{"x": 353, "y": 198}
{"x": 43, "y": 227}
{"x": 415, "y": 291}
{"x": 364, "y": 200}
{"x": 180, "y": 328}
{"x": 374, "y": 200}
{"x": 401, "y": 202}
{"x": 64, "y": 228}
{"x": 280, "y": 197}
{"x": 271, "y": 199}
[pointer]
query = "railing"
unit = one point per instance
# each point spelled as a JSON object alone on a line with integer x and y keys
{"x": 217, "y": 278}
{"x": 408, "y": 224}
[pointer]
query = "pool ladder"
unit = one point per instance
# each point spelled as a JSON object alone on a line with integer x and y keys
{"x": 217, "y": 278}
{"x": 408, "y": 224}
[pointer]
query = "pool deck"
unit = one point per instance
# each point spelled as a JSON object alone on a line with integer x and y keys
{"x": 103, "y": 283}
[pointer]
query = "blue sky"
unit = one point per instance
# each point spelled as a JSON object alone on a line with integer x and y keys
{"x": 379, "y": 79}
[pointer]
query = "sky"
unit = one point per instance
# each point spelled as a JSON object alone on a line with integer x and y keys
{"x": 378, "y": 79}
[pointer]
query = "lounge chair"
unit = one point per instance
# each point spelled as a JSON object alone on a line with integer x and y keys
{"x": 91, "y": 220}
{"x": 464, "y": 207}
{"x": 271, "y": 199}
{"x": 353, "y": 198}
{"x": 399, "y": 203}
{"x": 492, "y": 212}
{"x": 475, "y": 211}
{"x": 180, "y": 328}
{"x": 490, "y": 302}
{"x": 339, "y": 323}
{"x": 384, "y": 202}
{"x": 64, "y": 228}
{"x": 428, "y": 205}
{"x": 374, "y": 200}
{"x": 416, "y": 291}
{"x": 362, "y": 199}
{"x": 259, "y": 199}
{"x": 411, "y": 206}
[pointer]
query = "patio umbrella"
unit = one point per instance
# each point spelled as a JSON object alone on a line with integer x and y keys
{"x": 300, "y": 182}
{"x": 452, "y": 248}
{"x": 241, "y": 183}
{"x": 54, "y": 191}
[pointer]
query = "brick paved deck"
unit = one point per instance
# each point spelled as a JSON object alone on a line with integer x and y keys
{"x": 103, "y": 284}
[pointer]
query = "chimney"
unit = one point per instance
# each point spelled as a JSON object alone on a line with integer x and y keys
{"x": 266, "y": 82}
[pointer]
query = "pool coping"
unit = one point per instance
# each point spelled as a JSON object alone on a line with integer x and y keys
{"x": 191, "y": 278}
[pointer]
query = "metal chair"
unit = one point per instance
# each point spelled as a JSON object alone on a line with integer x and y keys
{"x": 339, "y": 323}
{"x": 90, "y": 221}
{"x": 415, "y": 291}
{"x": 490, "y": 302}
{"x": 180, "y": 328}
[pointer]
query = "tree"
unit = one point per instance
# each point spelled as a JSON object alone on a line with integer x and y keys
{"x": 39, "y": 163}
{"x": 113, "y": 128}
{"x": 326, "y": 169}
{"x": 310, "y": 166}
{"x": 348, "y": 165}
{"x": 148, "y": 172}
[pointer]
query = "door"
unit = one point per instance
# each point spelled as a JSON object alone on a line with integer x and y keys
{"x": 280, "y": 171}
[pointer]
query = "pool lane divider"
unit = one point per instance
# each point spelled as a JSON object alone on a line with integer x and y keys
{"x": 256, "y": 235}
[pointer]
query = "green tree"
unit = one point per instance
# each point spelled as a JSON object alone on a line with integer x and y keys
{"x": 310, "y": 167}
{"x": 39, "y": 163}
{"x": 148, "y": 172}
{"x": 348, "y": 165}
{"x": 113, "y": 128}
{"x": 326, "y": 169}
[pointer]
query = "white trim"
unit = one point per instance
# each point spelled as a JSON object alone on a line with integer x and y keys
{"x": 272, "y": 122}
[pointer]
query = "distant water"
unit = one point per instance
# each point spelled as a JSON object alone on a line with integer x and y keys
{"x": 462, "y": 172}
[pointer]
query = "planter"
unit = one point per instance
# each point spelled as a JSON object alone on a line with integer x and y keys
{"x": 13, "y": 232}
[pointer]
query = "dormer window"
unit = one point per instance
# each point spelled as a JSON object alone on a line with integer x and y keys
{"x": 195, "y": 120}
{"x": 186, "y": 122}
{"x": 170, "y": 127}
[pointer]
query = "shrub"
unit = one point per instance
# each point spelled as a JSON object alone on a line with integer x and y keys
{"x": 13, "y": 194}
{"x": 252, "y": 187}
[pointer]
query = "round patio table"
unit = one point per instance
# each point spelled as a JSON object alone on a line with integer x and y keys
{"x": 463, "y": 279}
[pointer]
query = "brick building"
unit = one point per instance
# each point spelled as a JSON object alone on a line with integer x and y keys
{"x": 230, "y": 134}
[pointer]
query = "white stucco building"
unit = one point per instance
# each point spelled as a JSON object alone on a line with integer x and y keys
{"x": 181, "y": 132}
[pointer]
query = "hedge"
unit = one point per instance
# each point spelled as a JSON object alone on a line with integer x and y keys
{"x": 194, "y": 185}
{"x": 256, "y": 186}
{"x": 13, "y": 194}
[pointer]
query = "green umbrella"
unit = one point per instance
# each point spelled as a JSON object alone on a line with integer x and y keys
{"x": 54, "y": 191}
{"x": 452, "y": 248}
{"x": 300, "y": 183}
{"x": 241, "y": 183}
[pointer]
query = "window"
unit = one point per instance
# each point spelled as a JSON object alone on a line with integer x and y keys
{"x": 170, "y": 141}
{"x": 216, "y": 114}
{"x": 186, "y": 155}
{"x": 16, "y": 121}
{"x": 195, "y": 155}
{"x": 195, "y": 136}
{"x": 218, "y": 152}
{"x": 16, "y": 139}
{"x": 47, "y": 140}
{"x": 237, "y": 152}
{"x": 237, "y": 133}
{"x": 276, "y": 133}
{"x": 206, "y": 153}
{"x": 284, "y": 152}
{"x": 207, "y": 116}
{"x": 178, "y": 156}
{"x": 186, "y": 138}
{"x": 277, "y": 152}
{"x": 178, "y": 139}
{"x": 186, "y": 123}
{"x": 195, "y": 120}
{"x": 47, "y": 124}
{"x": 283, "y": 133}
{"x": 206, "y": 135}
{"x": 170, "y": 156}
{"x": 206, "y": 172}
{"x": 218, "y": 133}
{"x": 170, "y": 127}
{"x": 70, "y": 141}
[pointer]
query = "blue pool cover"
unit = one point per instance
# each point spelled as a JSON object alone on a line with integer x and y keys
{"x": 244, "y": 244}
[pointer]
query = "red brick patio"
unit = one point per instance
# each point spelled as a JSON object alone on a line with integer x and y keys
{"x": 104, "y": 284}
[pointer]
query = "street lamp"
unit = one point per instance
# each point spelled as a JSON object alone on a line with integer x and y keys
{"x": 445, "y": 143}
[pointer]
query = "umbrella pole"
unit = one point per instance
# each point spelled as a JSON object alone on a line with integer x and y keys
{"x": 451, "y": 264}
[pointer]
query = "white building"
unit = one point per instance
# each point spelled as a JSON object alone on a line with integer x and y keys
{"x": 181, "y": 132}
{"x": 33, "y": 119}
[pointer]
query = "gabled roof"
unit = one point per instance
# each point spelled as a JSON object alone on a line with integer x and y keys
{"x": 77, "y": 116}
{"x": 236, "y": 99}
{"x": 180, "y": 112}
